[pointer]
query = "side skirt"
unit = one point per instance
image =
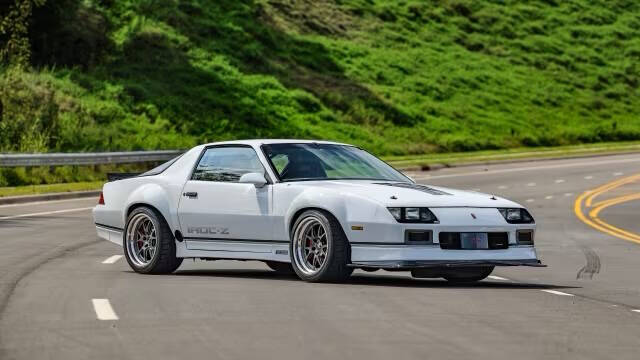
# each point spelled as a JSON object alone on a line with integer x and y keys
{"x": 233, "y": 249}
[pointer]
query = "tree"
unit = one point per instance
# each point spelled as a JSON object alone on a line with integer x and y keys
{"x": 15, "y": 18}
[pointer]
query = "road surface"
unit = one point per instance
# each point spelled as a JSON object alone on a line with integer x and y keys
{"x": 64, "y": 294}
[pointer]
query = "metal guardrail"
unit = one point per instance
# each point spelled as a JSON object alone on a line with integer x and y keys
{"x": 57, "y": 159}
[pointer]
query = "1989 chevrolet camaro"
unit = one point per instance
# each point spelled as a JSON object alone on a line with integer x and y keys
{"x": 319, "y": 209}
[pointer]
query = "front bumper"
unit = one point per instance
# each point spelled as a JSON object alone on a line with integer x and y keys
{"x": 403, "y": 256}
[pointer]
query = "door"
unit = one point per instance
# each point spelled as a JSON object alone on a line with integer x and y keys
{"x": 217, "y": 212}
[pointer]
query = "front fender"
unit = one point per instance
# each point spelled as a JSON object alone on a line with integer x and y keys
{"x": 347, "y": 208}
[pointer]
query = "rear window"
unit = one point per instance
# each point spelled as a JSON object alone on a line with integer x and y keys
{"x": 161, "y": 168}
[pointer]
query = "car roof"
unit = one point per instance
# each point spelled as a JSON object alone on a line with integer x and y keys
{"x": 258, "y": 142}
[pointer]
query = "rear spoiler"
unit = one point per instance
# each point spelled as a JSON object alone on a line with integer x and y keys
{"x": 120, "y": 176}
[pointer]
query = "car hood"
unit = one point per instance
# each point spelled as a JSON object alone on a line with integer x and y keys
{"x": 390, "y": 193}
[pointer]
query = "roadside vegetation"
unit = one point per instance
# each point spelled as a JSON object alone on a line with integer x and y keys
{"x": 398, "y": 78}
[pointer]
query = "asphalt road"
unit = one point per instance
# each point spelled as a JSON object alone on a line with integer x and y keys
{"x": 580, "y": 307}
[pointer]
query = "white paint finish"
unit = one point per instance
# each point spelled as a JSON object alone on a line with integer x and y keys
{"x": 493, "y": 277}
{"x": 227, "y": 219}
{"x": 45, "y": 213}
{"x": 560, "y": 293}
{"x": 531, "y": 184}
{"x": 560, "y": 181}
{"x": 403, "y": 252}
{"x": 589, "y": 177}
{"x": 112, "y": 259}
{"x": 111, "y": 235}
{"x": 103, "y": 309}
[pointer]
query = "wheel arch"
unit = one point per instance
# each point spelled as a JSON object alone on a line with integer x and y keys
{"x": 154, "y": 197}
{"x": 297, "y": 213}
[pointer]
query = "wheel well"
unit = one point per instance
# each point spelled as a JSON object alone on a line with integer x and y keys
{"x": 139, "y": 205}
{"x": 299, "y": 212}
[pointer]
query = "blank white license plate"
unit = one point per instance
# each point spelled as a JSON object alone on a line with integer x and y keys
{"x": 474, "y": 241}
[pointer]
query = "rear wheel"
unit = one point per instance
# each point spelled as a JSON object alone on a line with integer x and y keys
{"x": 468, "y": 274}
{"x": 280, "y": 267}
{"x": 319, "y": 249}
{"x": 149, "y": 246}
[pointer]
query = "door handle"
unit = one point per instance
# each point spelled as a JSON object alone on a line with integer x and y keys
{"x": 190, "y": 194}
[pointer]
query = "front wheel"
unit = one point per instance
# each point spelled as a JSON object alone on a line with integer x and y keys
{"x": 149, "y": 246}
{"x": 319, "y": 249}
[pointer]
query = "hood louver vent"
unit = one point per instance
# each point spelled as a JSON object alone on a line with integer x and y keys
{"x": 422, "y": 188}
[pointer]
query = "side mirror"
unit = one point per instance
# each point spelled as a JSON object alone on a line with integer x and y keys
{"x": 256, "y": 179}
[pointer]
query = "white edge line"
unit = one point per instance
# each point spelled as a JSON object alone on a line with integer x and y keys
{"x": 112, "y": 259}
{"x": 493, "y": 277}
{"x": 557, "y": 293}
{"x": 92, "y": 198}
{"x": 45, "y": 213}
{"x": 501, "y": 171}
{"x": 103, "y": 309}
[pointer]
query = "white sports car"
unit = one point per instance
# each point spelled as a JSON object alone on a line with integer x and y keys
{"x": 319, "y": 209}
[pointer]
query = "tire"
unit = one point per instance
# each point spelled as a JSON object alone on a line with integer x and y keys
{"x": 330, "y": 258}
{"x": 143, "y": 254}
{"x": 280, "y": 267}
{"x": 467, "y": 275}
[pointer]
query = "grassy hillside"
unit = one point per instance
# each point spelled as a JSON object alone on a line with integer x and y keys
{"x": 397, "y": 77}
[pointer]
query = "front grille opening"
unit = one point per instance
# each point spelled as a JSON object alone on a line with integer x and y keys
{"x": 525, "y": 237}
{"x": 450, "y": 240}
{"x": 418, "y": 237}
{"x": 496, "y": 240}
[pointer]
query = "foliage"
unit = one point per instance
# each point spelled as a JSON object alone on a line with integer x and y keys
{"x": 15, "y": 16}
{"x": 396, "y": 77}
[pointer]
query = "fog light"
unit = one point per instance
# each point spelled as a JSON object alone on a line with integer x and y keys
{"x": 525, "y": 237}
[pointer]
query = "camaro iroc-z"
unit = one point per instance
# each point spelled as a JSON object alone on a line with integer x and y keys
{"x": 318, "y": 209}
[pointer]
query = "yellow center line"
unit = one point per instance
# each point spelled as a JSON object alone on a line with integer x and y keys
{"x": 609, "y": 186}
{"x": 592, "y": 218}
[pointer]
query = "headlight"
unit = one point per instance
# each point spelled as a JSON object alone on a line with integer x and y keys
{"x": 413, "y": 215}
{"x": 516, "y": 216}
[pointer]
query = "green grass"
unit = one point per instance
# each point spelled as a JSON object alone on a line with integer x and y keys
{"x": 395, "y": 77}
{"x": 517, "y": 154}
{"x": 50, "y": 188}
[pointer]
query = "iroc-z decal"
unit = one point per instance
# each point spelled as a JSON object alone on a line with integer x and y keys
{"x": 208, "y": 230}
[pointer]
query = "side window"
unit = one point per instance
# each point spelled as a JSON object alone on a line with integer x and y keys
{"x": 280, "y": 161}
{"x": 227, "y": 164}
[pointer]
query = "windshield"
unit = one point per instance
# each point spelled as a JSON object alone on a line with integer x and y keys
{"x": 299, "y": 162}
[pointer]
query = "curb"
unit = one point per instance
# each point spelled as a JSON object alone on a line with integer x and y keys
{"x": 48, "y": 197}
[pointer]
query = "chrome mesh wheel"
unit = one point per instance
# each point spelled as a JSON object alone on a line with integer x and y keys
{"x": 141, "y": 240}
{"x": 310, "y": 245}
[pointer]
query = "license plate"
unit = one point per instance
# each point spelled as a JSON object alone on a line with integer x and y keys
{"x": 474, "y": 241}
